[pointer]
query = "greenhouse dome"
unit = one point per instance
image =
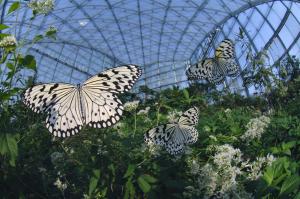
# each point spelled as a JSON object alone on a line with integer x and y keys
{"x": 233, "y": 63}
{"x": 156, "y": 35}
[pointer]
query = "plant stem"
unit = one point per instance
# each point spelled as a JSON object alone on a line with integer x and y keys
{"x": 134, "y": 123}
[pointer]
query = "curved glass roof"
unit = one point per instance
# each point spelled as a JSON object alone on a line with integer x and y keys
{"x": 160, "y": 36}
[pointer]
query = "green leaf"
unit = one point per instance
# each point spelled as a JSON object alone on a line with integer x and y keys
{"x": 186, "y": 94}
{"x": 96, "y": 173}
{"x": 14, "y": 6}
{"x": 149, "y": 178}
{"x": 269, "y": 175}
{"x": 129, "y": 171}
{"x": 10, "y": 66}
{"x": 143, "y": 184}
{"x": 2, "y": 26}
{"x": 9, "y": 147}
{"x": 129, "y": 190}
{"x": 51, "y": 33}
{"x": 290, "y": 184}
{"x": 93, "y": 184}
{"x": 298, "y": 195}
{"x": 29, "y": 62}
{"x": 37, "y": 38}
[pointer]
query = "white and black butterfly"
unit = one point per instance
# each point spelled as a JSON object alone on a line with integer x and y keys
{"x": 216, "y": 69}
{"x": 174, "y": 136}
{"x": 94, "y": 103}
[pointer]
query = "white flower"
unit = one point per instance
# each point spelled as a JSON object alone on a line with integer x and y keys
{"x": 208, "y": 179}
{"x": 213, "y": 137}
{"x": 173, "y": 116}
{"x": 226, "y": 155}
{"x": 42, "y": 169}
{"x": 8, "y": 41}
{"x": 255, "y": 168}
{"x": 61, "y": 186}
{"x": 255, "y": 128}
{"x": 131, "y": 106}
{"x": 228, "y": 110}
{"x": 41, "y": 6}
{"x": 194, "y": 166}
{"x": 144, "y": 112}
{"x": 153, "y": 149}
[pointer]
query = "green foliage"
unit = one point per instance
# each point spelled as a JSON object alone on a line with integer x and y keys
{"x": 14, "y": 6}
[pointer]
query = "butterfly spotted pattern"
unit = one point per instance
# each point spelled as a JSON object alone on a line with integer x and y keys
{"x": 174, "y": 136}
{"x": 94, "y": 103}
{"x": 216, "y": 69}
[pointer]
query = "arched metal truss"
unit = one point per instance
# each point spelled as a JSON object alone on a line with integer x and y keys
{"x": 160, "y": 36}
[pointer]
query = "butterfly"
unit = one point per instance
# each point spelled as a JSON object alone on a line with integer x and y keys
{"x": 174, "y": 136}
{"x": 216, "y": 69}
{"x": 94, "y": 103}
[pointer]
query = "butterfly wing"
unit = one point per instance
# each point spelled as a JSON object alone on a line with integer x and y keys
{"x": 166, "y": 135}
{"x": 160, "y": 135}
{"x": 101, "y": 105}
{"x": 217, "y": 75}
{"x": 201, "y": 70}
{"x": 61, "y": 103}
{"x": 172, "y": 137}
{"x": 225, "y": 56}
{"x": 189, "y": 117}
{"x": 115, "y": 80}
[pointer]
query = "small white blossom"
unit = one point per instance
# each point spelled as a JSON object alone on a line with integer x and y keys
{"x": 228, "y": 110}
{"x": 255, "y": 168}
{"x": 8, "y": 41}
{"x": 255, "y": 128}
{"x": 144, "y": 111}
{"x": 41, "y": 6}
{"x": 131, "y": 106}
{"x": 213, "y": 137}
{"x": 42, "y": 169}
{"x": 226, "y": 155}
{"x": 174, "y": 115}
{"x": 61, "y": 186}
{"x": 208, "y": 179}
{"x": 153, "y": 148}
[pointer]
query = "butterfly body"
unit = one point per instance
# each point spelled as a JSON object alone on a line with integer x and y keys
{"x": 174, "y": 136}
{"x": 217, "y": 68}
{"x": 93, "y": 103}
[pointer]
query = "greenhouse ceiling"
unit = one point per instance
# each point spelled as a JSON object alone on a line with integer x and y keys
{"x": 159, "y": 36}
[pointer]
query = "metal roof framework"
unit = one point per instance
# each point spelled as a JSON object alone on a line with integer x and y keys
{"x": 160, "y": 36}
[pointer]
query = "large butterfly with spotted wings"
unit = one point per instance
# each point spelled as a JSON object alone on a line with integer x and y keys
{"x": 174, "y": 136}
{"x": 216, "y": 69}
{"x": 94, "y": 103}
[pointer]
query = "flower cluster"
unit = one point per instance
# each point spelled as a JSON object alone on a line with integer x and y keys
{"x": 41, "y": 6}
{"x": 152, "y": 148}
{"x": 60, "y": 185}
{"x": 221, "y": 175}
{"x": 173, "y": 116}
{"x": 131, "y": 106}
{"x": 8, "y": 41}
{"x": 255, "y": 168}
{"x": 144, "y": 111}
{"x": 255, "y": 128}
{"x": 226, "y": 155}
